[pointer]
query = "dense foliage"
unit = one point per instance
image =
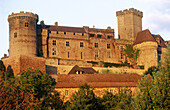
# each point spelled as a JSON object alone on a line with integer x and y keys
{"x": 30, "y": 90}
{"x": 132, "y": 54}
{"x": 35, "y": 90}
{"x": 155, "y": 94}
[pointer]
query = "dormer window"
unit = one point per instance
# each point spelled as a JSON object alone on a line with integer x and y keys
{"x": 99, "y": 36}
{"x": 26, "y": 24}
{"x": 91, "y": 35}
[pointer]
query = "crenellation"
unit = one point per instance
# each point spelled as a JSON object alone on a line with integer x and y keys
{"x": 75, "y": 45}
{"x": 131, "y": 10}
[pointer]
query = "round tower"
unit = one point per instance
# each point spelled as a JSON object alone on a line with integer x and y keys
{"x": 22, "y": 33}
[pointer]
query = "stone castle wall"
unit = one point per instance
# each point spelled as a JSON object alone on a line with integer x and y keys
{"x": 22, "y": 34}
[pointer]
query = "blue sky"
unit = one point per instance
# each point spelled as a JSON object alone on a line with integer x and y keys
{"x": 78, "y": 13}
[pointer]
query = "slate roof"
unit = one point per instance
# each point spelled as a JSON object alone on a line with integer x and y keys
{"x": 96, "y": 80}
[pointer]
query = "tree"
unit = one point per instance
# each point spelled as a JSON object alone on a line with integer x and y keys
{"x": 109, "y": 101}
{"x": 30, "y": 90}
{"x": 132, "y": 54}
{"x": 120, "y": 101}
{"x": 43, "y": 86}
{"x": 2, "y": 66}
{"x": 84, "y": 99}
{"x": 155, "y": 94}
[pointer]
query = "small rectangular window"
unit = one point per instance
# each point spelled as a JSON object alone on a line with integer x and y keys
{"x": 74, "y": 34}
{"x": 108, "y": 54}
{"x": 96, "y": 45}
{"x": 121, "y": 48}
{"x": 67, "y": 43}
{"x": 82, "y": 34}
{"x": 96, "y": 55}
{"x": 57, "y": 32}
{"x": 81, "y": 44}
{"x": 68, "y": 54}
{"x": 81, "y": 55}
{"x": 111, "y": 90}
{"x": 53, "y": 51}
{"x": 99, "y": 36}
{"x": 121, "y": 55}
{"x": 109, "y": 37}
{"x": 64, "y": 32}
{"x": 91, "y": 35}
{"x": 108, "y": 46}
{"x": 15, "y": 35}
{"x": 66, "y": 92}
{"x": 54, "y": 42}
{"x": 26, "y": 24}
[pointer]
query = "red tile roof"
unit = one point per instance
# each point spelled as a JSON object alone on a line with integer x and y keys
{"x": 145, "y": 35}
{"x": 96, "y": 80}
{"x": 67, "y": 29}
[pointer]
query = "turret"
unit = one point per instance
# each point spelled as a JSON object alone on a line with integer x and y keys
{"x": 22, "y": 34}
{"x": 129, "y": 23}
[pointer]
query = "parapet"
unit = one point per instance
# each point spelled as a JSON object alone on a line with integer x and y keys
{"x": 23, "y": 14}
{"x": 131, "y": 10}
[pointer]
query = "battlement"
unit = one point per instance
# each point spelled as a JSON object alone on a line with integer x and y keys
{"x": 131, "y": 10}
{"x": 23, "y": 14}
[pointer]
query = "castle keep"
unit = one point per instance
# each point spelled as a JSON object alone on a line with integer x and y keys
{"x": 43, "y": 46}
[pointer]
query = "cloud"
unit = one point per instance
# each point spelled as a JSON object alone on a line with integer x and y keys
{"x": 156, "y": 1}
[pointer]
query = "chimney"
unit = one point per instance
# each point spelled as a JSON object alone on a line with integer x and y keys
{"x": 56, "y": 23}
{"x": 108, "y": 28}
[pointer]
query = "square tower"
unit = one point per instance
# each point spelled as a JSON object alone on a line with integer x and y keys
{"x": 129, "y": 23}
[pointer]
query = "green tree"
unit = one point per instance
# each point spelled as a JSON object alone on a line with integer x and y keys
{"x": 109, "y": 101}
{"x": 2, "y": 66}
{"x": 155, "y": 94}
{"x": 132, "y": 54}
{"x": 84, "y": 99}
{"x": 30, "y": 90}
{"x": 43, "y": 86}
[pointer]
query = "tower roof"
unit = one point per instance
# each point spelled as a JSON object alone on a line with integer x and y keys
{"x": 145, "y": 36}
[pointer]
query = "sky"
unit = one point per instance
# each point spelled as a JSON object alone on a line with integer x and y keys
{"x": 79, "y": 13}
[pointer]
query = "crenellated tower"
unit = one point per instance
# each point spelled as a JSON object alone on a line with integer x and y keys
{"x": 22, "y": 34}
{"x": 129, "y": 23}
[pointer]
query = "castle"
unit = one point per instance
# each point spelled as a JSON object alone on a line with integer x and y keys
{"x": 56, "y": 49}
{"x": 54, "y": 45}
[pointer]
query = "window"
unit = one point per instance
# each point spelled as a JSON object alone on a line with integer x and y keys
{"x": 81, "y": 55}
{"x": 66, "y": 92}
{"x": 68, "y": 54}
{"x": 54, "y": 42}
{"x": 91, "y": 35}
{"x": 111, "y": 90}
{"x": 26, "y": 24}
{"x": 82, "y": 34}
{"x": 57, "y": 32}
{"x": 81, "y": 44}
{"x": 121, "y": 48}
{"x": 99, "y": 36}
{"x": 15, "y": 35}
{"x": 53, "y": 51}
{"x": 108, "y": 46}
{"x": 64, "y": 32}
{"x": 108, "y": 54}
{"x": 73, "y": 33}
{"x": 96, "y": 55}
{"x": 121, "y": 55}
{"x": 96, "y": 45}
{"x": 67, "y": 43}
{"x": 109, "y": 37}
